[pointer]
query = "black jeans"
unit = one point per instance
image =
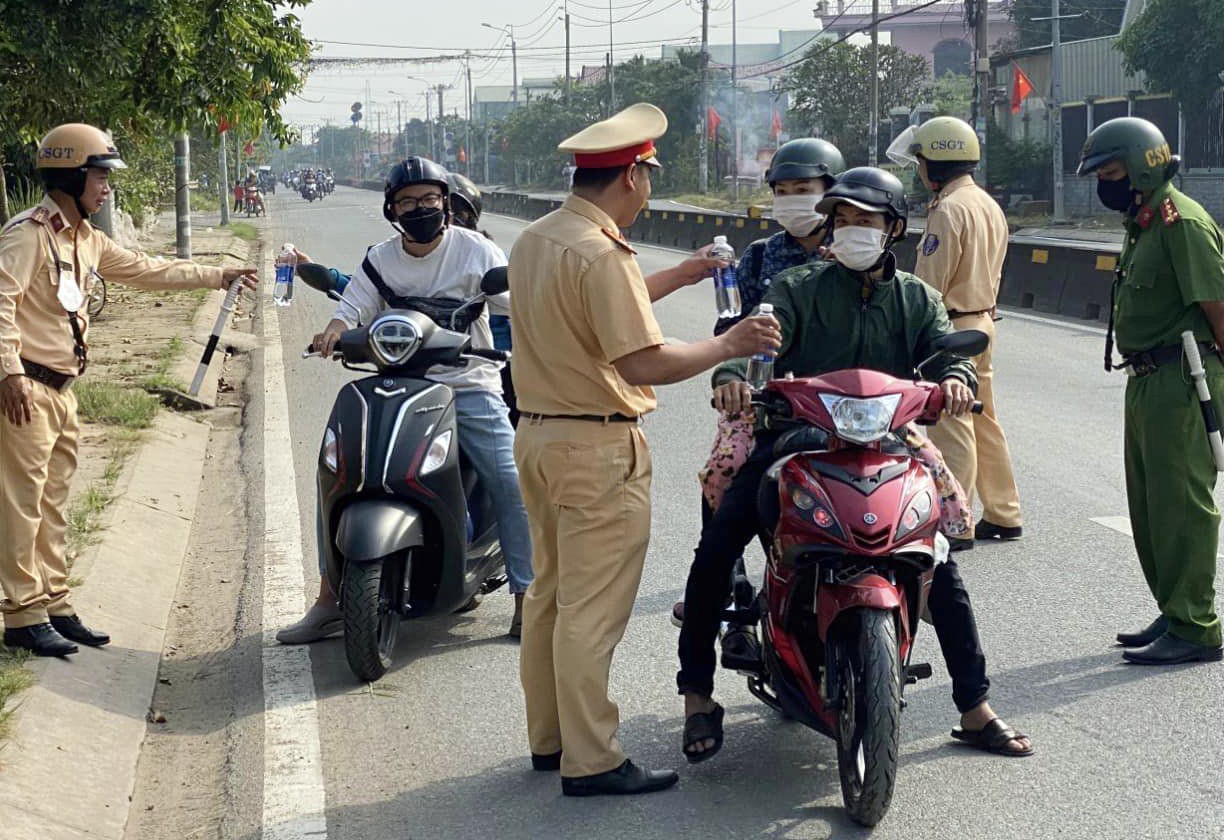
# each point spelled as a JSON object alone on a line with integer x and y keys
{"x": 727, "y": 534}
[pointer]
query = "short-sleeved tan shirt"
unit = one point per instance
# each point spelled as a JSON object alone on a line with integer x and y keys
{"x": 962, "y": 250}
{"x": 36, "y": 248}
{"x": 578, "y": 303}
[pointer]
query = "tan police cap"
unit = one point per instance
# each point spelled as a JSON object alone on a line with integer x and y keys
{"x": 622, "y": 139}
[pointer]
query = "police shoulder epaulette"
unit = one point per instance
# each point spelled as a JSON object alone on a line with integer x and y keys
{"x": 1169, "y": 212}
{"x": 618, "y": 239}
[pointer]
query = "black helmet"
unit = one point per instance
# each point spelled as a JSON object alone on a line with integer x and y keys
{"x": 804, "y": 158}
{"x": 413, "y": 170}
{"x": 871, "y": 189}
{"x": 465, "y": 198}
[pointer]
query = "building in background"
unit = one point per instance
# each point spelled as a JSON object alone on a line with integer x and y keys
{"x": 1096, "y": 88}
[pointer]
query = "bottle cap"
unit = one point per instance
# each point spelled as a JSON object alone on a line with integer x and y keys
{"x": 288, "y": 246}
{"x": 765, "y": 309}
{"x": 720, "y": 240}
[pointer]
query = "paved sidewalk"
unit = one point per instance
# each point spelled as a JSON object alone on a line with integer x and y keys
{"x": 69, "y": 768}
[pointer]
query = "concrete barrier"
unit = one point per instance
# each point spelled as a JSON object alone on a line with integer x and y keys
{"x": 1055, "y": 276}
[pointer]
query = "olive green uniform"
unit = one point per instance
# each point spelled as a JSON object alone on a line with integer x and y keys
{"x": 1171, "y": 262}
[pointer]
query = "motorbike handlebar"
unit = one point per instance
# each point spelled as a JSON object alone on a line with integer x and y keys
{"x": 311, "y": 353}
{"x": 489, "y": 353}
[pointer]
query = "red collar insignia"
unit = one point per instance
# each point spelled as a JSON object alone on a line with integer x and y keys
{"x": 57, "y": 223}
{"x": 616, "y": 237}
{"x": 1144, "y": 217}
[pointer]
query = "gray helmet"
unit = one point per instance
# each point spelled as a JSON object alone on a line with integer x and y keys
{"x": 804, "y": 158}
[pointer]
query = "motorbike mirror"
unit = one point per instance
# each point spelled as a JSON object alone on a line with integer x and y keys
{"x": 495, "y": 281}
{"x": 963, "y": 343}
{"x": 319, "y": 278}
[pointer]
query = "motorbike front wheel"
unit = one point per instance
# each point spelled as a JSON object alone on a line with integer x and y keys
{"x": 869, "y": 723}
{"x": 370, "y": 597}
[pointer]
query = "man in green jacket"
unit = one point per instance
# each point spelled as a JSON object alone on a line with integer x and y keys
{"x": 1170, "y": 279}
{"x": 857, "y": 312}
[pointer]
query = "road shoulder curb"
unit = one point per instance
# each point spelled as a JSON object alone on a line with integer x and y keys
{"x": 78, "y": 731}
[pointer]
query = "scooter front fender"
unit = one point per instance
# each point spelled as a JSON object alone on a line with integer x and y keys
{"x": 871, "y": 591}
{"x": 372, "y": 529}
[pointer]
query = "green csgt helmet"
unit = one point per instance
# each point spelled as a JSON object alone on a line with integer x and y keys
{"x": 804, "y": 158}
{"x": 1138, "y": 144}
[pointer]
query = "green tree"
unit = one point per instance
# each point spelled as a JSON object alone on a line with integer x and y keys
{"x": 1097, "y": 18}
{"x": 1176, "y": 45}
{"x": 147, "y": 68}
{"x": 952, "y": 95}
{"x": 831, "y": 93}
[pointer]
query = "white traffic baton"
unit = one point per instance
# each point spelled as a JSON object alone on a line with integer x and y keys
{"x": 1195, "y": 360}
{"x": 227, "y": 307}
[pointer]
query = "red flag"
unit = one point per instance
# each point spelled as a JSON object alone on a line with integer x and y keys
{"x": 1022, "y": 86}
{"x": 775, "y": 127}
{"x": 713, "y": 121}
{"x": 462, "y": 155}
{"x": 248, "y": 149}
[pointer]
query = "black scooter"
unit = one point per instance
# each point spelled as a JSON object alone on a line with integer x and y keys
{"x": 404, "y": 528}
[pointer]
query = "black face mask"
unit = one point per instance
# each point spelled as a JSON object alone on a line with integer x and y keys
{"x": 422, "y": 224}
{"x": 1116, "y": 195}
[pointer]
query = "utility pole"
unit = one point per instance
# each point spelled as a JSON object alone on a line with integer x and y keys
{"x": 611, "y": 65}
{"x": 399, "y": 128}
{"x": 735, "y": 103}
{"x": 1055, "y": 103}
{"x": 467, "y": 132}
{"x": 567, "y": 53}
{"x": 224, "y": 184}
{"x": 981, "y": 102}
{"x": 429, "y": 122}
{"x": 703, "y": 143}
{"x": 182, "y": 195}
{"x": 873, "y": 131}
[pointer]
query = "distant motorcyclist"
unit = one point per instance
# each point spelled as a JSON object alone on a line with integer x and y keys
{"x": 430, "y": 258}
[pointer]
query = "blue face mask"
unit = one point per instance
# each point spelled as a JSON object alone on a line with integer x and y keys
{"x": 1117, "y": 195}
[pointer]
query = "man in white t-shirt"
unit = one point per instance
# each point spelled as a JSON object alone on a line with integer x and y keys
{"x": 430, "y": 258}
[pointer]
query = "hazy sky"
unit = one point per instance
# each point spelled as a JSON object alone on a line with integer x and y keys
{"x": 452, "y": 26}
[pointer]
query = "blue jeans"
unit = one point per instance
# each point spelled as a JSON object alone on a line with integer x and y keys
{"x": 487, "y": 438}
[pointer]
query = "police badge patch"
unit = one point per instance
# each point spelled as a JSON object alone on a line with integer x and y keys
{"x": 930, "y": 244}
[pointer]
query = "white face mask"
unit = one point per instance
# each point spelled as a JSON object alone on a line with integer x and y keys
{"x": 797, "y": 213}
{"x": 856, "y": 247}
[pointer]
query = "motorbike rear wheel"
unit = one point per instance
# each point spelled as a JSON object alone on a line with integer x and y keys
{"x": 869, "y": 723}
{"x": 369, "y": 600}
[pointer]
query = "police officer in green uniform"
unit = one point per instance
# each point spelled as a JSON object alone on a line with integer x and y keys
{"x": 1170, "y": 279}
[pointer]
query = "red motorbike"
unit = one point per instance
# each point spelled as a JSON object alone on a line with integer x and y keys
{"x": 849, "y": 566}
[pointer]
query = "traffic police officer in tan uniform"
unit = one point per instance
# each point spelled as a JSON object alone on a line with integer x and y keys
{"x": 49, "y": 257}
{"x": 586, "y": 351}
{"x": 1170, "y": 280}
{"x": 961, "y": 255}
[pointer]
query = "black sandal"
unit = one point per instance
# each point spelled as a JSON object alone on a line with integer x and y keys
{"x": 703, "y": 726}
{"x": 993, "y": 738}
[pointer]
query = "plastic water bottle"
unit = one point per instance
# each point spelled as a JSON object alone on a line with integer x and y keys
{"x": 760, "y": 366}
{"x": 726, "y": 287}
{"x": 286, "y": 264}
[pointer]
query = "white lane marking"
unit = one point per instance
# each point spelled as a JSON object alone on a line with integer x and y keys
{"x": 294, "y": 798}
{"x": 1121, "y": 524}
{"x": 1052, "y": 322}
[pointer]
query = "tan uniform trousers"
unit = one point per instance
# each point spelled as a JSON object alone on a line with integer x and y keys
{"x": 974, "y": 445}
{"x": 586, "y": 486}
{"x": 37, "y": 461}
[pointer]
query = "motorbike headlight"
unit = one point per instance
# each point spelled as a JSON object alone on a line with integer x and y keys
{"x": 393, "y": 339}
{"x": 439, "y": 448}
{"x": 916, "y": 514}
{"x": 861, "y": 420}
{"x": 331, "y": 450}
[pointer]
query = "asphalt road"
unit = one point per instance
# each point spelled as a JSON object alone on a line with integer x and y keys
{"x": 437, "y": 749}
